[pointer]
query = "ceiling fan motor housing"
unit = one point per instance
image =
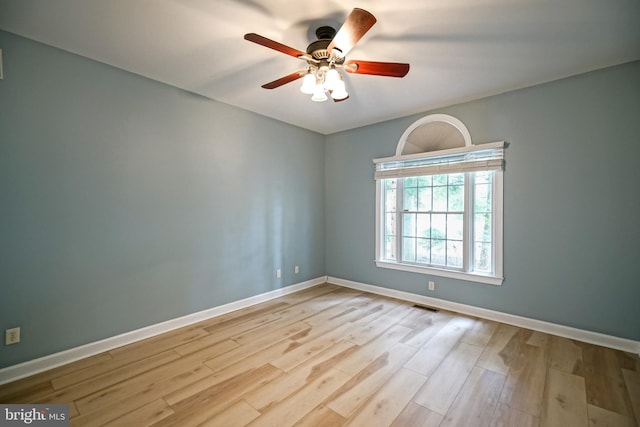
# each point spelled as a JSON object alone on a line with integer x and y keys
{"x": 318, "y": 49}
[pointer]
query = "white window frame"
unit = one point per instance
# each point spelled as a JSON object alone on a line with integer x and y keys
{"x": 496, "y": 277}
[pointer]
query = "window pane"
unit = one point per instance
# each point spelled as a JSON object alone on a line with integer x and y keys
{"x": 389, "y": 184}
{"x": 423, "y": 250}
{"x": 411, "y": 181}
{"x": 438, "y": 226}
{"x": 482, "y": 198}
{"x": 455, "y": 224}
{"x": 483, "y": 177}
{"x": 390, "y": 224}
{"x": 409, "y": 249}
{"x": 423, "y": 225}
{"x": 454, "y": 253}
{"x": 424, "y": 199}
{"x": 424, "y": 181}
{"x": 439, "y": 179}
{"x": 438, "y": 252}
{"x": 440, "y": 199}
{"x": 410, "y": 199}
{"x": 456, "y": 198}
{"x": 390, "y": 200}
{"x": 390, "y": 248}
{"x": 456, "y": 179}
{"x": 409, "y": 224}
{"x": 482, "y": 255}
{"x": 482, "y": 227}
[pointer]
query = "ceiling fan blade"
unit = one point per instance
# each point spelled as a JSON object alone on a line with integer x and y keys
{"x": 284, "y": 80}
{"x": 389, "y": 69}
{"x": 357, "y": 24}
{"x": 256, "y": 38}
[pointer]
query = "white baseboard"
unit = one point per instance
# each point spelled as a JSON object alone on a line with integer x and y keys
{"x": 31, "y": 367}
{"x": 597, "y": 338}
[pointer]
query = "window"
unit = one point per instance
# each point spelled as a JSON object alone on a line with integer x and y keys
{"x": 440, "y": 212}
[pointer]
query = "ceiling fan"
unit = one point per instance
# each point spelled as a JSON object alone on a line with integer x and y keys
{"x": 328, "y": 54}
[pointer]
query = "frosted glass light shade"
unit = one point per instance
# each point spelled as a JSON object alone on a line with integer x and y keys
{"x": 308, "y": 83}
{"x": 318, "y": 93}
{"x": 339, "y": 91}
{"x": 331, "y": 79}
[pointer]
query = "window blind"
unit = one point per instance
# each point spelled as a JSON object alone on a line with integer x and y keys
{"x": 468, "y": 159}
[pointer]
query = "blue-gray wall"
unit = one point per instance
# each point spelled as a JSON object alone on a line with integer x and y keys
{"x": 125, "y": 202}
{"x": 572, "y": 202}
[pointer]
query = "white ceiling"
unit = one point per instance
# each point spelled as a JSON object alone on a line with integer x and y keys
{"x": 458, "y": 49}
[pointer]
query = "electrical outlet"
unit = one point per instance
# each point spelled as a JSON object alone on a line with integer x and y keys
{"x": 278, "y": 273}
{"x": 12, "y": 336}
{"x": 432, "y": 285}
{"x": 296, "y": 270}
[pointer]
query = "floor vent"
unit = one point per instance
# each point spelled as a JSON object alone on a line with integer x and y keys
{"x": 424, "y": 307}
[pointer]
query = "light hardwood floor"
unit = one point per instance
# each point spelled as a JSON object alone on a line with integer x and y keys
{"x": 330, "y": 356}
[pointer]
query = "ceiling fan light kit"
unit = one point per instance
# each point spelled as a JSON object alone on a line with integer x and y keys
{"x": 326, "y": 55}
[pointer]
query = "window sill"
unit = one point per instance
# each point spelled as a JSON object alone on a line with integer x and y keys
{"x": 473, "y": 277}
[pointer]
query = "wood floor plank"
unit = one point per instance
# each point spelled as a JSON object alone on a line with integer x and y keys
{"x": 524, "y": 386}
{"x": 148, "y": 386}
{"x": 39, "y": 385}
{"x": 144, "y": 416}
{"x": 306, "y": 351}
{"x": 104, "y": 380}
{"x": 206, "y": 342}
{"x": 116, "y": 403}
{"x": 600, "y": 417}
{"x": 418, "y": 318}
{"x": 480, "y": 332}
{"x": 604, "y": 379}
{"x": 26, "y": 390}
{"x": 565, "y": 400}
{"x": 475, "y": 404}
{"x": 205, "y": 405}
{"x": 237, "y": 415}
{"x": 363, "y": 385}
{"x": 222, "y": 333}
{"x": 442, "y": 387}
{"x": 244, "y": 314}
{"x": 288, "y": 326}
{"x": 414, "y": 415}
{"x": 241, "y": 366}
{"x": 303, "y": 401}
{"x": 293, "y": 381}
{"x": 372, "y": 350}
{"x": 632, "y": 383}
{"x": 385, "y": 406}
{"x": 230, "y": 357}
{"x": 428, "y": 358}
{"x": 505, "y": 416}
{"x": 493, "y": 356}
{"x": 362, "y": 334}
{"x": 321, "y": 416}
{"x": 383, "y": 306}
{"x": 110, "y": 364}
{"x": 420, "y": 336}
{"x": 565, "y": 355}
{"x": 150, "y": 346}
